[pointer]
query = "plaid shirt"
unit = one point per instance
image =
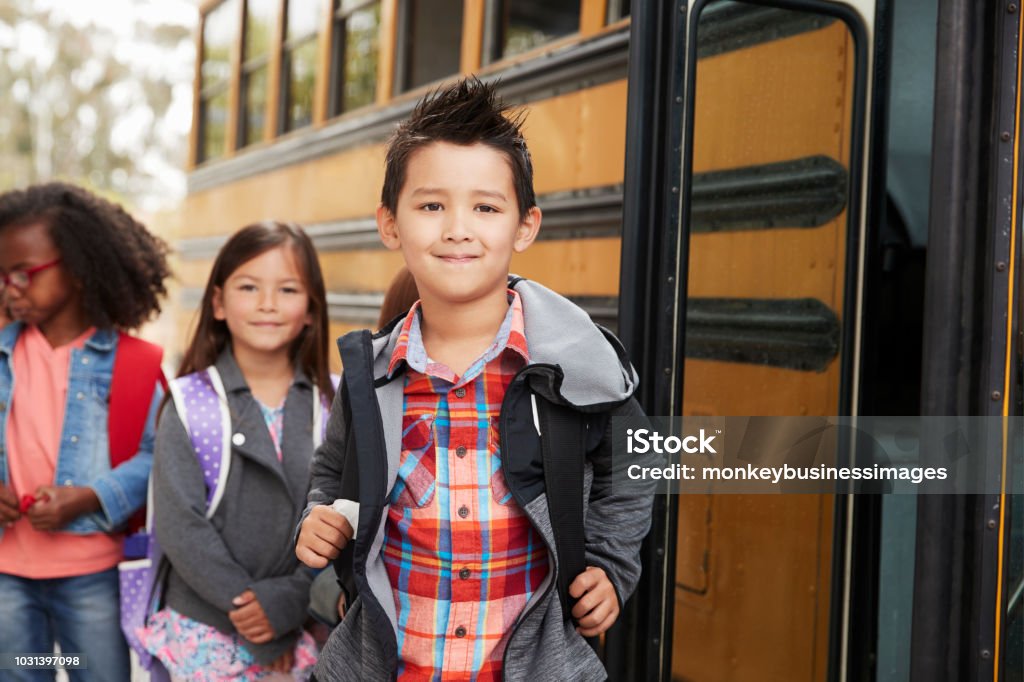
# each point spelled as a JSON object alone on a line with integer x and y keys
{"x": 462, "y": 557}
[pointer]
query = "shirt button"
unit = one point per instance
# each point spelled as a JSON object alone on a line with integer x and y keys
{"x": 80, "y": 396}
{"x": 74, "y": 439}
{"x": 238, "y": 439}
{"x": 85, "y": 361}
{"x": 67, "y": 482}
{"x": 460, "y": 451}
{"x": 3, "y": 406}
{"x": 463, "y": 511}
{"x": 460, "y": 631}
{"x": 460, "y": 393}
{"x": 465, "y": 573}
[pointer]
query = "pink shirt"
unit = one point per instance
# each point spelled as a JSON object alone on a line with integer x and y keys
{"x": 35, "y": 421}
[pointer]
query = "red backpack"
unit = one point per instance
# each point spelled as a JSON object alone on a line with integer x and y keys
{"x": 134, "y": 378}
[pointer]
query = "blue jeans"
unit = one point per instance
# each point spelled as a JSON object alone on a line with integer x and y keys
{"x": 82, "y": 614}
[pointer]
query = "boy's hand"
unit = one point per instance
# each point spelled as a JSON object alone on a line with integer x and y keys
{"x": 598, "y": 606}
{"x": 250, "y": 619}
{"x": 323, "y": 535}
{"x": 57, "y": 506}
{"x": 8, "y": 506}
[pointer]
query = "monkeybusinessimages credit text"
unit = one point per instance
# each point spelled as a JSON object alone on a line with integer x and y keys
{"x": 917, "y": 455}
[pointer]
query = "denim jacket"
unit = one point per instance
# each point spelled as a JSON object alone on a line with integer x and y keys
{"x": 84, "y": 455}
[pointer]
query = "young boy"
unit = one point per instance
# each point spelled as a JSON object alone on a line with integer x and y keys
{"x": 436, "y": 433}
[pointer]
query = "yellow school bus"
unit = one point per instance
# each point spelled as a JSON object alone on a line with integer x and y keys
{"x": 294, "y": 102}
{"x": 784, "y": 207}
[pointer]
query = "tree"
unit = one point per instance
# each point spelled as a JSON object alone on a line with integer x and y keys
{"x": 99, "y": 93}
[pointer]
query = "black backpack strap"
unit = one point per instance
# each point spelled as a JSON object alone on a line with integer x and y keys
{"x": 562, "y": 447}
{"x": 343, "y": 564}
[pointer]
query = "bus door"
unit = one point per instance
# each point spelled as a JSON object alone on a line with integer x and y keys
{"x": 822, "y": 216}
{"x": 759, "y": 133}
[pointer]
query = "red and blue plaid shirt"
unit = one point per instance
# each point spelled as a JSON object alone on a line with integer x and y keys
{"x": 462, "y": 557}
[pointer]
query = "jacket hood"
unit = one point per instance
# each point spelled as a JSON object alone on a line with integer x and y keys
{"x": 590, "y": 361}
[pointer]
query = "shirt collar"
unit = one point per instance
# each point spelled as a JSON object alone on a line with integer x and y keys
{"x": 101, "y": 339}
{"x": 511, "y": 337}
{"x": 233, "y": 380}
{"x": 9, "y": 336}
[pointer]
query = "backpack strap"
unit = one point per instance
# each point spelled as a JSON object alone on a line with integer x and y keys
{"x": 202, "y": 405}
{"x": 562, "y": 447}
{"x": 133, "y": 381}
{"x": 344, "y": 565}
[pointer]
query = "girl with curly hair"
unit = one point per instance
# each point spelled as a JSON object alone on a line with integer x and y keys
{"x": 76, "y": 271}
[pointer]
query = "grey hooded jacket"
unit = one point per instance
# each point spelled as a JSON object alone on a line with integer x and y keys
{"x": 572, "y": 362}
{"x": 245, "y": 546}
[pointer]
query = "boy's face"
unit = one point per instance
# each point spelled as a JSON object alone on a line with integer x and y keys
{"x": 457, "y": 222}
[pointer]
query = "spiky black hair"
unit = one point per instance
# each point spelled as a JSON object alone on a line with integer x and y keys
{"x": 465, "y": 113}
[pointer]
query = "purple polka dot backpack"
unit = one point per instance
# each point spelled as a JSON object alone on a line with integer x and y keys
{"x": 202, "y": 405}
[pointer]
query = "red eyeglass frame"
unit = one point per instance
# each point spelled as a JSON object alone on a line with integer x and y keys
{"x": 5, "y": 279}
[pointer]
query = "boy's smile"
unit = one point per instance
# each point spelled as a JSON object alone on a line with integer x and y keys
{"x": 457, "y": 222}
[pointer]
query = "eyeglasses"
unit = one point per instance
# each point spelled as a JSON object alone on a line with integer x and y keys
{"x": 20, "y": 279}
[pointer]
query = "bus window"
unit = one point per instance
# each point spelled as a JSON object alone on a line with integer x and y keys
{"x": 220, "y": 27}
{"x": 516, "y": 26}
{"x": 260, "y": 20}
{"x": 767, "y": 219}
{"x": 354, "y": 55}
{"x": 298, "y": 63}
{"x": 432, "y": 44}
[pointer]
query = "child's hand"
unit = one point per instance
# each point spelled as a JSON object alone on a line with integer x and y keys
{"x": 250, "y": 619}
{"x": 57, "y": 506}
{"x": 284, "y": 663}
{"x": 8, "y": 506}
{"x": 598, "y": 606}
{"x": 323, "y": 535}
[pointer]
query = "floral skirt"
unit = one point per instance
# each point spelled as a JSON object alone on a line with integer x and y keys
{"x": 196, "y": 651}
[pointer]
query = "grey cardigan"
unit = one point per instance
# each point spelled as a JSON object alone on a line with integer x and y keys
{"x": 247, "y": 544}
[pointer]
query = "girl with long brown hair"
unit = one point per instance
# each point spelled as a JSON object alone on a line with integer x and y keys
{"x": 254, "y": 379}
